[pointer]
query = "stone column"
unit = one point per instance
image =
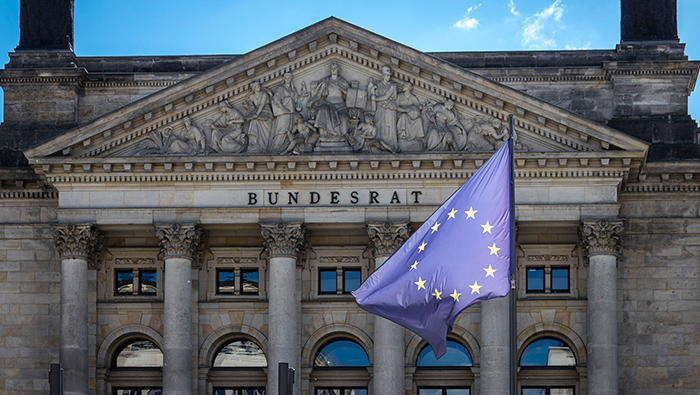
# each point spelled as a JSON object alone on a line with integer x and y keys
{"x": 77, "y": 245}
{"x": 283, "y": 242}
{"x": 600, "y": 240}
{"x": 495, "y": 347}
{"x": 180, "y": 245}
{"x": 389, "y": 348}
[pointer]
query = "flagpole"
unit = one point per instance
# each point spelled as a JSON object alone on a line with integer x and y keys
{"x": 513, "y": 292}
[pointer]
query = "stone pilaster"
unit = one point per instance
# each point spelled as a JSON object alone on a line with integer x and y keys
{"x": 77, "y": 245}
{"x": 283, "y": 242}
{"x": 600, "y": 240}
{"x": 180, "y": 245}
{"x": 389, "y": 347}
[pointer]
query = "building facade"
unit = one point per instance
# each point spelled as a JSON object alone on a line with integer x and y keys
{"x": 184, "y": 224}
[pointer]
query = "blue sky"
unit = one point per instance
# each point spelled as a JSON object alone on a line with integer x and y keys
{"x": 179, "y": 27}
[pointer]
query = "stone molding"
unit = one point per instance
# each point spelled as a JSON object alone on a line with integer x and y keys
{"x": 386, "y": 237}
{"x": 180, "y": 241}
{"x": 78, "y": 242}
{"x": 283, "y": 239}
{"x": 601, "y": 237}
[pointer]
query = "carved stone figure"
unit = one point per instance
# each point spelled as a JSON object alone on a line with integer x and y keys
{"x": 487, "y": 135}
{"x": 259, "y": 119}
{"x": 303, "y": 137}
{"x": 385, "y": 117}
{"x": 327, "y": 105}
{"x": 445, "y": 130}
{"x": 285, "y": 101}
{"x": 364, "y": 137}
{"x": 409, "y": 124}
{"x": 227, "y": 135}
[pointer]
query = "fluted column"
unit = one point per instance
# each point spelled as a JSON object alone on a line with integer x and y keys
{"x": 77, "y": 245}
{"x": 180, "y": 245}
{"x": 600, "y": 240}
{"x": 389, "y": 367}
{"x": 283, "y": 242}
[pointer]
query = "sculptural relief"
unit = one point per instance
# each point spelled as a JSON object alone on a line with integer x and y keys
{"x": 258, "y": 115}
{"x": 335, "y": 115}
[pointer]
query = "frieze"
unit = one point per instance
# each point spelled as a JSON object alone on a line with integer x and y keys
{"x": 134, "y": 261}
{"x": 339, "y": 259}
{"x": 236, "y": 260}
{"x": 546, "y": 258}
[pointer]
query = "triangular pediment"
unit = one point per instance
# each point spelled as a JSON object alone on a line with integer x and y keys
{"x": 220, "y": 112}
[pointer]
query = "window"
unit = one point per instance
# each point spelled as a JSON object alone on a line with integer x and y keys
{"x": 548, "y": 271}
{"x": 328, "y": 280}
{"x": 135, "y": 282}
{"x": 137, "y": 368}
{"x": 340, "y": 368}
{"x": 456, "y": 355}
{"x": 238, "y": 368}
{"x": 548, "y": 367}
{"x": 449, "y": 375}
{"x": 237, "y": 281}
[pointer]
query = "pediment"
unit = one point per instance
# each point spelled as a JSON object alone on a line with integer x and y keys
{"x": 245, "y": 108}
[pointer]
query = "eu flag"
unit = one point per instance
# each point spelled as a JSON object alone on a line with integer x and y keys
{"x": 458, "y": 257}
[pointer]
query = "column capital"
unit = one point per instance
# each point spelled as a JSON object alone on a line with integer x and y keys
{"x": 180, "y": 240}
{"x": 82, "y": 241}
{"x": 387, "y": 237}
{"x": 283, "y": 238}
{"x": 601, "y": 236}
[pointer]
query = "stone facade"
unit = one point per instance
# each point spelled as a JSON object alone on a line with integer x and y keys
{"x": 187, "y": 179}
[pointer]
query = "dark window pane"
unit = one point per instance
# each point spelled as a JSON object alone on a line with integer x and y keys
{"x": 547, "y": 352}
{"x": 327, "y": 391}
{"x": 139, "y": 353}
{"x": 534, "y": 391}
{"x": 124, "y": 282}
{"x": 327, "y": 281}
{"x": 456, "y": 355}
{"x": 249, "y": 282}
{"x": 355, "y": 391}
{"x": 225, "y": 281}
{"x": 342, "y": 353}
{"x": 560, "y": 279}
{"x": 138, "y": 391}
{"x": 535, "y": 280}
{"x": 239, "y": 354}
{"x": 351, "y": 279}
{"x": 147, "y": 282}
{"x": 458, "y": 391}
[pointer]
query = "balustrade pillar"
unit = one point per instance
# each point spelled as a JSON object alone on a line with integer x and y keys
{"x": 77, "y": 246}
{"x": 389, "y": 348}
{"x": 601, "y": 243}
{"x": 180, "y": 245}
{"x": 283, "y": 242}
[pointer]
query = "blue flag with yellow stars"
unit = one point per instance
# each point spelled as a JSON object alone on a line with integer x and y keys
{"x": 458, "y": 257}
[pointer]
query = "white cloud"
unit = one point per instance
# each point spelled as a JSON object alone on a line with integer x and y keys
{"x": 571, "y": 47}
{"x": 511, "y": 6}
{"x": 534, "y": 35}
{"x": 468, "y": 23}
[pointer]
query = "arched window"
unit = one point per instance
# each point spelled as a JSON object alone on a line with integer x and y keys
{"x": 238, "y": 368}
{"x": 137, "y": 368}
{"x": 340, "y": 367}
{"x": 548, "y": 367}
{"x": 449, "y": 375}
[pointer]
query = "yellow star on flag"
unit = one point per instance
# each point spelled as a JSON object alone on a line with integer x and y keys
{"x": 451, "y": 214}
{"x": 422, "y": 247}
{"x": 494, "y": 249}
{"x": 475, "y": 288}
{"x": 487, "y": 227}
{"x": 420, "y": 283}
{"x": 435, "y": 228}
{"x": 455, "y": 295}
{"x": 490, "y": 271}
{"x": 471, "y": 212}
{"x": 415, "y": 266}
{"x": 437, "y": 294}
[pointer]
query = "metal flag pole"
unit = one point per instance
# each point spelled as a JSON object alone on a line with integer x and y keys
{"x": 513, "y": 291}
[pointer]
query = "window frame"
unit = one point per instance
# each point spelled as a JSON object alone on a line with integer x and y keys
{"x": 340, "y": 259}
{"x": 548, "y": 257}
{"x": 553, "y": 376}
{"x": 238, "y": 261}
{"x": 134, "y": 260}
